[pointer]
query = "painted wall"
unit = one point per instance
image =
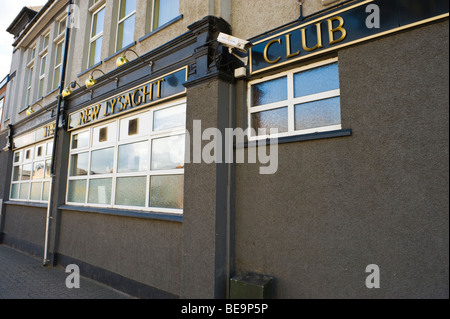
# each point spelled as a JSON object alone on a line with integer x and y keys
{"x": 377, "y": 197}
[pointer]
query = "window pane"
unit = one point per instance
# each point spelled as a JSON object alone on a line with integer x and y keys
{"x": 79, "y": 164}
{"x": 48, "y": 169}
{"x": 17, "y": 157}
{"x": 24, "y": 188}
{"x": 77, "y": 191}
{"x": 97, "y": 22}
{"x": 126, "y": 7}
{"x": 26, "y": 172}
{"x": 100, "y": 191}
{"x": 80, "y": 140}
{"x": 14, "y": 191}
{"x": 16, "y": 172}
{"x": 102, "y": 161}
{"x": 270, "y": 91}
{"x": 36, "y": 189}
{"x": 45, "y": 191}
{"x": 277, "y": 118}
{"x": 125, "y": 33}
{"x": 168, "y": 153}
{"x": 59, "y": 49}
{"x": 38, "y": 170}
{"x": 41, "y": 87}
{"x": 165, "y": 11}
{"x": 43, "y": 62}
{"x": 318, "y": 113}
{"x": 133, "y": 157}
{"x": 130, "y": 191}
{"x": 167, "y": 191}
{"x": 95, "y": 51}
{"x": 325, "y": 78}
{"x": 169, "y": 118}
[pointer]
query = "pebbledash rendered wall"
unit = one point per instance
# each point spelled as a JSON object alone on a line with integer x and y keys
{"x": 379, "y": 196}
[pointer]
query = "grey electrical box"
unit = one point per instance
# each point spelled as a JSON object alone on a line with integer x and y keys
{"x": 251, "y": 286}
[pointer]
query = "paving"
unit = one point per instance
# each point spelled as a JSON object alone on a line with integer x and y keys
{"x": 24, "y": 277}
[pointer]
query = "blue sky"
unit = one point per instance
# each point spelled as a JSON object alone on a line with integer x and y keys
{"x": 8, "y": 11}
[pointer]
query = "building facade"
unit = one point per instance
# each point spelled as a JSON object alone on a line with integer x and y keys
{"x": 138, "y": 146}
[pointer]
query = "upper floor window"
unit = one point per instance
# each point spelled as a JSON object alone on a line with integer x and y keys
{"x": 45, "y": 42}
{"x": 62, "y": 25}
{"x": 95, "y": 43}
{"x": 58, "y": 64}
{"x": 29, "y": 85}
{"x": 302, "y": 101}
{"x": 125, "y": 26}
{"x": 164, "y": 11}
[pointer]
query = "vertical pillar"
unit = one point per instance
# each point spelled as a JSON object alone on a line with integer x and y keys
{"x": 207, "y": 210}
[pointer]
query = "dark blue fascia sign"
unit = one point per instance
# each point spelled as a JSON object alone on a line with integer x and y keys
{"x": 353, "y": 23}
{"x": 155, "y": 91}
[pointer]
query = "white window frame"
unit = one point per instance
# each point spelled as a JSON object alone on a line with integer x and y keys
{"x": 152, "y": 135}
{"x": 290, "y": 103}
{"x": 28, "y": 96}
{"x": 123, "y": 21}
{"x": 42, "y": 75}
{"x": 97, "y": 36}
{"x": 45, "y": 157}
{"x": 56, "y": 84}
{"x": 154, "y": 15}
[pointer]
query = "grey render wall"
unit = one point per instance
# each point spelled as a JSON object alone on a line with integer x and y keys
{"x": 143, "y": 250}
{"x": 379, "y": 196}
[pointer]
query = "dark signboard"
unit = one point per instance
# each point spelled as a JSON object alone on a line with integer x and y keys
{"x": 356, "y": 22}
{"x": 154, "y": 91}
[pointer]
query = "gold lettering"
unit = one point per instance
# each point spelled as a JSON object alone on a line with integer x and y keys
{"x": 49, "y": 130}
{"x": 288, "y": 48}
{"x": 158, "y": 83}
{"x": 106, "y": 113}
{"x": 266, "y": 51}
{"x": 139, "y": 101}
{"x": 81, "y": 118}
{"x": 127, "y": 102}
{"x": 95, "y": 111}
{"x": 147, "y": 93}
{"x": 340, "y": 28}
{"x": 319, "y": 38}
{"x": 87, "y": 115}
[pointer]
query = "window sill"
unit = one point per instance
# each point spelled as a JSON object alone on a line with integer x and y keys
{"x": 28, "y": 204}
{"x": 132, "y": 44}
{"x": 165, "y": 25}
{"x": 126, "y": 213}
{"x": 299, "y": 138}
{"x": 90, "y": 69}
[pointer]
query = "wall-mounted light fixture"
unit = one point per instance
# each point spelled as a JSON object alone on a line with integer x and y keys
{"x": 300, "y": 3}
{"x": 67, "y": 91}
{"x": 90, "y": 82}
{"x": 123, "y": 59}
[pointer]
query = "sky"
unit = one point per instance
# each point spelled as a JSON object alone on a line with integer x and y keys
{"x": 8, "y": 11}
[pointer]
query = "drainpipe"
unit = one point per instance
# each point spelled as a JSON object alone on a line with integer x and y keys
{"x": 46, "y": 261}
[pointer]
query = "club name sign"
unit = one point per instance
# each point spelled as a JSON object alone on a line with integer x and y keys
{"x": 346, "y": 26}
{"x": 154, "y": 91}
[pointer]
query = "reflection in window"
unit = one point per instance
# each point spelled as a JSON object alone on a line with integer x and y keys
{"x": 102, "y": 161}
{"x": 164, "y": 11}
{"x": 125, "y": 28}
{"x": 168, "y": 153}
{"x": 133, "y": 157}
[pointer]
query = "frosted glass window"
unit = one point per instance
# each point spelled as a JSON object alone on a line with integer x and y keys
{"x": 130, "y": 191}
{"x": 167, "y": 191}
{"x": 270, "y": 91}
{"x": 36, "y": 189}
{"x": 325, "y": 78}
{"x": 45, "y": 191}
{"x": 100, "y": 191}
{"x": 277, "y": 118}
{"x": 15, "y": 191}
{"x": 318, "y": 113}
{"x": 24, "y": 188}
{"x": 76, "y": 192}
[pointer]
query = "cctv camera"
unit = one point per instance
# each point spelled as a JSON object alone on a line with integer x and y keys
{"x": 233, "y": 42}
